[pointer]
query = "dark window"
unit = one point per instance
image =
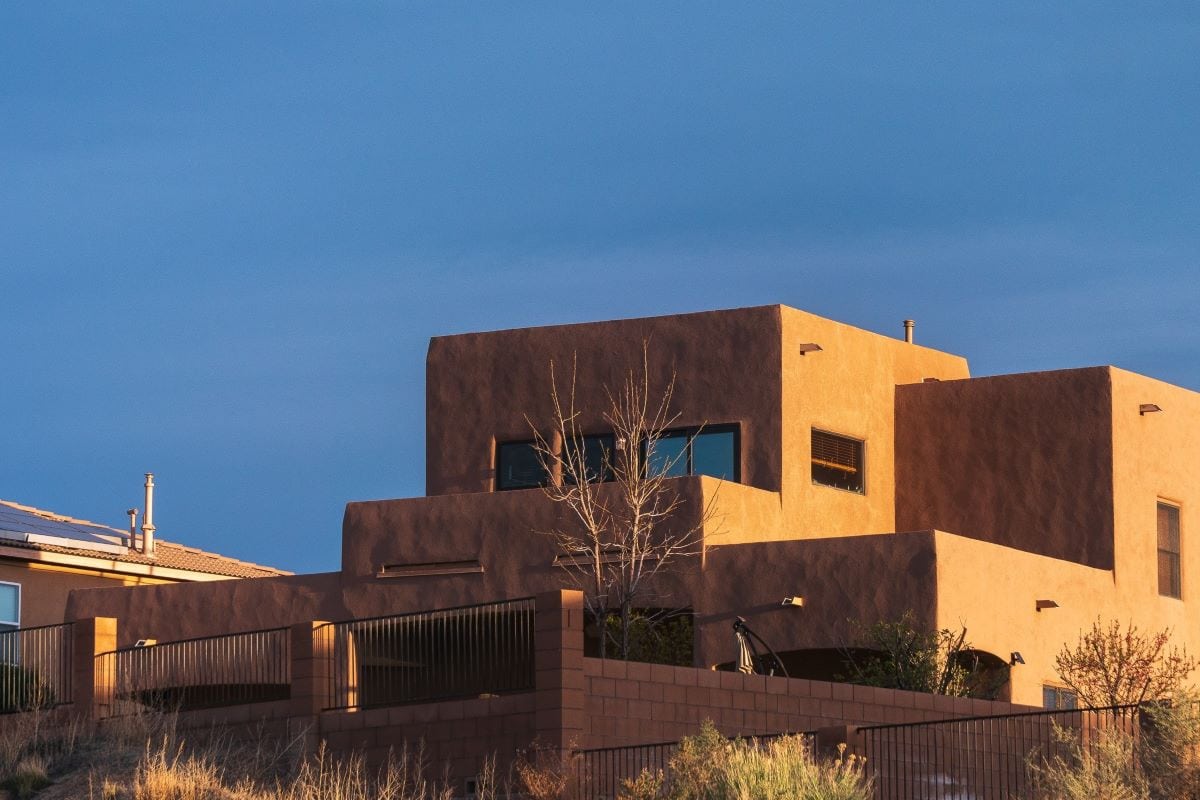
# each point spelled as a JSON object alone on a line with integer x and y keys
{"x": 1056, "y": 698}
{"x": 837, "y": 461}
{"x": 518, "y": 466}
{"x": 597, "y": 456}
{"x": 1169, "y": 579}
{"x": 711, "y": 451}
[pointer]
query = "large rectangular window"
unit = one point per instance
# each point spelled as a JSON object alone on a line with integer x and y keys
{"x": 711, "y": 451}
{"x": 1169, "y": 578}
{"x": 837, "y": 461}
{"x": 519, "y": 467}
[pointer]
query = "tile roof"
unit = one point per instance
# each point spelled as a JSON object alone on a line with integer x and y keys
{"x": 112, "y": 544}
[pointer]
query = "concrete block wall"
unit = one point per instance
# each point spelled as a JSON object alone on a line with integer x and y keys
{"x": 577, "y": 702}
{"x": 629, "y": 703}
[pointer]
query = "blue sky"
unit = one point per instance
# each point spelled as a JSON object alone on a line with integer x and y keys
{"x": 227, "y": 230}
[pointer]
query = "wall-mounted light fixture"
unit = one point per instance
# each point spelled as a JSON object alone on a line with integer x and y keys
{"x": 1148, "y": 408}
{"x": 796, "y": 601}
{"x": 1015, "y": 658}
{"x": 810, "y": 347}
{"x": 1046, "y": 604}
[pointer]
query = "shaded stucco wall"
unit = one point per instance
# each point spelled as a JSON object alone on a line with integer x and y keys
{"x": 44, "y": 588}
{"x": 481, "y": 387}
{"x": 1020, "y": 460}
{"x": 185, "y": 610}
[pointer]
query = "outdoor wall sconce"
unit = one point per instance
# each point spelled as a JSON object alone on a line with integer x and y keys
{"x": 1046, "y": 604}
{"x": 1148, "y": 408}
{"x": 796, "y": 601}
{"x": 145, "y": 642}
{"x": 1015, "y": 658}
{"x": 810, "y": 347}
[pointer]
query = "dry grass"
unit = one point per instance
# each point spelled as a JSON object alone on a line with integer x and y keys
{"x": 708, "y": 766}
{"x": 148, "y": 758}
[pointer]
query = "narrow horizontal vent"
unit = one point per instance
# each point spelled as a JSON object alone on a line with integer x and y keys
{"x": 430, "y": 568}
{"x": 584, "y": 558}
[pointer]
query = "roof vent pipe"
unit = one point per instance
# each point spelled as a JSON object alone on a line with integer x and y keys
{"x": 148, "y": 519}
{"x": 133, "y": 515}
{"x": 908, "y": 329}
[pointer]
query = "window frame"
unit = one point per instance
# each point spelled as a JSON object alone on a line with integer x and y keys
{"x": 499, "y": 464}
{"x": 607, "y": 477}
{"x": 1176, "y": 578}
{"x": 5, "y": 625}
{"x": 1060, "y": 693}
{"x": 690, "y": 433}
{"x": 862, "y": 443}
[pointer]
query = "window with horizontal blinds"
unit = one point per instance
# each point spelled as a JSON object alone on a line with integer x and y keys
{"x": 837, "y": 461}
{"x": 1169, "y": 573}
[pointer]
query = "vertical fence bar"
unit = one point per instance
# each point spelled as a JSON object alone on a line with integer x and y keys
{"x": 206, "y": 672}
{"x": 36, "y": 668}
{"x": 432, "y": 655}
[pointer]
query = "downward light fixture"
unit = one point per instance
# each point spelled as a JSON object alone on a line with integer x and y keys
{"x": 797, "y": 601}
{"x": 1148, "y": 408}
{"x": 1041, "y": 604}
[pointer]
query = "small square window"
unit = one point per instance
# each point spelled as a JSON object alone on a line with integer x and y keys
{"x": 837, "y": 461}
{"x": 1169, "y": 575}
{"x": 518, "y": 466}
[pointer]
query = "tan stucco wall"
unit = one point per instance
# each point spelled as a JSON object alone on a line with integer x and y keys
{"x": 44, "y": 588}
{"x": 847, "y": 388}
{"x": 1021, "y": 460}
{"x": 993, "y": 590}
{"x": 1157, "y": 458}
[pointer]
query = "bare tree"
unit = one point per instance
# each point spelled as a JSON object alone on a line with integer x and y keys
{"x": 1111, "y": 666}
{"x": 622, "y": 531}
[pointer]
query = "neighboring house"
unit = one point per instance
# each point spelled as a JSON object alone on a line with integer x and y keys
{"x": 43, "y": 556}
{"x": 867, "y": 474}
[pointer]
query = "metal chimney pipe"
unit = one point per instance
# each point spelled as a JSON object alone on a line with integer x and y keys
{"x": 133, "y": 515}
{"x": 148, "y": 519}
{"x": 908, "y": 330}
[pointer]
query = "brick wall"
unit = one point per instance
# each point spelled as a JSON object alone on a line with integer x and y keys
{"x": 456, "y": 735}
{"x": 630, "y": 703}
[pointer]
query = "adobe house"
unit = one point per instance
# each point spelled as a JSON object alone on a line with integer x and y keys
{"x": 867, "y": 474}
{"x": 44, "y": 556}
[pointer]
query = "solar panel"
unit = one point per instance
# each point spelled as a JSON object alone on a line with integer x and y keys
{"x": 26, "y": 524}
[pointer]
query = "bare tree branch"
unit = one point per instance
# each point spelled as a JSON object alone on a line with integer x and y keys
{"x": 625, "y": 528}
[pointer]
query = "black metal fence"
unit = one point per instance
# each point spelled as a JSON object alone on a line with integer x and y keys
{"x": 432, "y": 655}
{"x": 35, "y": 668}
{"x": 601, "y": 773}
{"x": 207, "y": 672}
{"x": 980, "y": 758}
